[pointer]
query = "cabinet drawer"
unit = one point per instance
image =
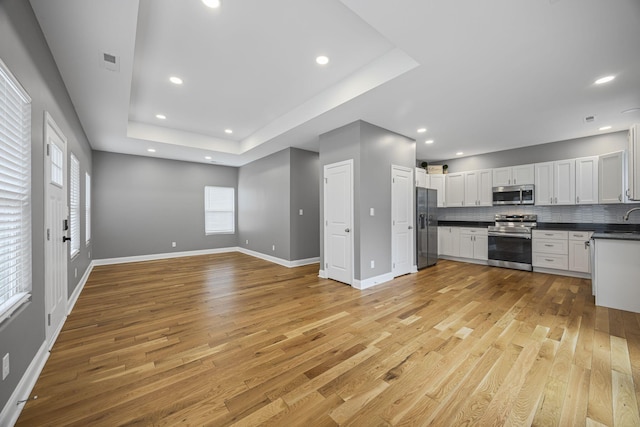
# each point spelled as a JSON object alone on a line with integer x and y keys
{"x": 580, "y": 235}
{"x": 474, "y": 231}
{"x": 549, "y": 234}
{"x": 560, "y": 262}
{"x": 549, "y": 246}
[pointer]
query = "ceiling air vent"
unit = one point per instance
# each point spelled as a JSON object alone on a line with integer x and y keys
{"x": 590, "y": 119}
{"x": 110, "y": 62}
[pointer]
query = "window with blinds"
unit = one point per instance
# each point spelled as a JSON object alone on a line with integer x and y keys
{"x": 15, "y": 193}
{"x": 219, "y": 210}
{"x": 74, "y": 206}
{"x": 87, "y": 207}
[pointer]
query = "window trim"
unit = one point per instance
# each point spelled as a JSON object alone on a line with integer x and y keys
{"x": 207, "y": 209}
{"x": 74, "y": 205}
{"x": 20, "y": 290}
{"x": 87, "y": 209}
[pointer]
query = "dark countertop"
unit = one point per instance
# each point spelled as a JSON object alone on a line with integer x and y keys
{"x": 600, "y": 229}
{"x": 629, "y": 235}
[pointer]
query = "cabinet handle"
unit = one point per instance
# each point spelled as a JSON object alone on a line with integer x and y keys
{"x": 548, "y": 234}
{"x": 620, "y": 197}
{"x": 549, "y": 246}
{"x": 578, "y": 199}
{"x": 587, "y": 244}
{"x": 550, "y": 199}
{"x": 548, "y": 260}
{"x": 556, "y": 201}
{"x": 514, "y": 181}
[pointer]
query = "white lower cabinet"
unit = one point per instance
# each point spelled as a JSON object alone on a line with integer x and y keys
{"x": 474, "y": 243}
{"x": 449, "y": 241}
{"x": 561, "y": 250}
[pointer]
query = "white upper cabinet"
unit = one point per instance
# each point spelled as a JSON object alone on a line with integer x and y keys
{"x": 455, "y": 189}
{"x": 437, "y": 182}
{"x": 478, "y": 188}
{"x": 421, "y": 178}
{"x": 513, "y": 175}
{"x": 633, "y": 165}
{"x": 611, "y": 178}
{"x": 587, "y": 180}
{"x": 555, "y": 183}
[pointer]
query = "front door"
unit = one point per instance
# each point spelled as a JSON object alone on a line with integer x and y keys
{"x": 56, "y": 225}
{"x": 338, "y": 217}
{"x": 402, "y": 220}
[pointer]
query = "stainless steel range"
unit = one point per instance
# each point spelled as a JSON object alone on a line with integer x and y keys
{"x": 510, "y": 241}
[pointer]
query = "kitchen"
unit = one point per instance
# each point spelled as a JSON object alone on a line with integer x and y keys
{"x": 533, "y": 231}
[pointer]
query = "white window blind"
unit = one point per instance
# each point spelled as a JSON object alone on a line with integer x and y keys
{"x": 87, "y": 207}
{"x": 74, "y": 206}
{"x": 219, "y": 210}
{"x": 15, "y": 193}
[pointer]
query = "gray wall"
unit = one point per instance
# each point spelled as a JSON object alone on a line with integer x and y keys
{"x": 374, "y": 150}
{"x": 24, "y": 50}
{"x": 142, "y": 204}
{"x": 305, "y": 229}
{"x": 272, "y": 190}
{"x": 264, "y": 205}
{"x": 569, "y": 149}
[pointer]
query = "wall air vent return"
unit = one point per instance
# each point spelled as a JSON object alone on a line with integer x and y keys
{"x": 590, "y": 119}
{"x": 110, "y": 62}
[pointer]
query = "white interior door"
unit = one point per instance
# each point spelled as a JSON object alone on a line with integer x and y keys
{"x": 402, "y": 220}
{"x": 56, "y": 220}
{"x": 338, "y": 216}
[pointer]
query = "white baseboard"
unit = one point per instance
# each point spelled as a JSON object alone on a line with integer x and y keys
{"x": 154, "y": 257}
{"x": 12, "y": 409}
{"x": 76, "y": 293}
{"x": 414, "y": 269}
{"x": 279, "y": 261}
{"x": 372, "y": 281}
{"x": 562, "y": 272}
{"x": 322, "y": 274}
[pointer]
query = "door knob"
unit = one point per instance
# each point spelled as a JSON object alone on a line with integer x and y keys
{"x": 66, "y": 239}
{"x": 346, "y": 230}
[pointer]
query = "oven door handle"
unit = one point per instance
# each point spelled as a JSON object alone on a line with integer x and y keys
{"x": 517, "y": 236}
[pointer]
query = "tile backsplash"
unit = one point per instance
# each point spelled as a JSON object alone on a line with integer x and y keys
{"x": 600, "y": 214}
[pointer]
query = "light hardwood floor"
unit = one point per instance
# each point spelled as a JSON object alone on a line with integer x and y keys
{"x": 233, "y": 340}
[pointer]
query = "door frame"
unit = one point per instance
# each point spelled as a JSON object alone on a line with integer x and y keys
{"x": 412, "y": 220}
{"x": 324, "y": 273}
{"x": 52, "y": 331}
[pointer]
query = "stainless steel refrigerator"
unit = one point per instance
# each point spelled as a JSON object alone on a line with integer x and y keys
{"x": 426, "y": 227}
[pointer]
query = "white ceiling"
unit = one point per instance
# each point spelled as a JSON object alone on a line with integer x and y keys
{"x": 480, "y": 76}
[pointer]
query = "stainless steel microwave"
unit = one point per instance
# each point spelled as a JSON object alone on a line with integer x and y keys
{"x": 513, "y": 195}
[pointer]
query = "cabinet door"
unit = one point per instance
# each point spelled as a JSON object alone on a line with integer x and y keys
{"x": 421, "y": 178}
{"x": 579, "y": 256}
{"x": 611, "y": 178}
{"x": 633, "y": 166}
{"x": 485, "y": 188}
{"x": 471, "y": 188}
{"x": 437, "y": 182}
{"x": 455, "y": 189}
{"x": 544, "y": 183}
{"x": 501, "y": 177}
{"x": 481, "y": 247}
{"x": 455, "y": 241}
{"x": 466, "y": 245}
{"x": 564, "y": 182}
{"x": 523, "y": 174}
{"x": 587, "y": 180}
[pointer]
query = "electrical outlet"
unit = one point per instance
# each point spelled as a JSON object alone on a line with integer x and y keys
{"x": 89, "y": 255}
{"x": 75, "y": 272}
{"x": 273, "y": 248}
{"x": 301, "y": 212}
{"x": 372, "y": 212}
{"x": 173, "y": 244}
{"x": 247, "y": 241}
{"x": 373, "y": 264}
{"x": 5, "y": 366}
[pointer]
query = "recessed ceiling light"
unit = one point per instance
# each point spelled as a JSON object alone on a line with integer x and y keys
{"x": 229, "y": 131}
{"x": 605, "y": 128}
{"x": 422, "y": 130}
{"x": 459, "y": 153}
{"x": 175, "y": 80}
{"x": 429, "y": 141}
{"x": 207, "y": 157}
{"x": 151, "y": 150}
{"x": 213, "y": 4}
{"x": 322, "y": 60}
{"x": 161, "y": 116}
{"x": 606, "y": 79}
{"x": 631, "y": 110}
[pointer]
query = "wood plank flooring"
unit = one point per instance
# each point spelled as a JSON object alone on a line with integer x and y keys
{"x": 230, "y": 339}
